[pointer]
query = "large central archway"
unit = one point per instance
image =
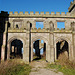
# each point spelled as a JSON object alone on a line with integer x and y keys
{"x": 39, "y": 50}
{"x": 46, "y": 46}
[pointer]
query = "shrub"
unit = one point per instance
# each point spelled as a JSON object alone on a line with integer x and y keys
{"x": 14, "y": 67}
{"x": 63, "y": 64}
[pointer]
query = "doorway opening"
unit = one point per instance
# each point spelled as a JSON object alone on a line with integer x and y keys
{"x": 39, "y": 50}
{"x": 16, "y": 49}
{"x": 62, "y": 49}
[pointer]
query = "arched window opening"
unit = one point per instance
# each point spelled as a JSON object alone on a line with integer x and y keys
{"x": 62, "y": 49}
{"x": 17, "y": 26}
{"x": 16, "y": 50}
{"x": 39, "y": 25}
{"x": 39, "y": 50}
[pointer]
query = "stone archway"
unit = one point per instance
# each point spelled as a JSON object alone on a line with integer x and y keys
{"x": 47, "y": 46}
{"x": 62, "y": 50}
{"x": 70, "y": 51}
{"x": 39, "y": 50}
{"x": 9, "y": 45}
{"x": 16, "y": 49}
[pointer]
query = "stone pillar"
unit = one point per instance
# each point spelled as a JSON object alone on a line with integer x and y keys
{"x": 55, "y": 51}
{"x": 8, "y": 51}
{"x": 46, "y": 24}
{"x": 34, "y": 24}
{"x": 3, "y": 53}
{"x": 24, "y": 50}
{"x": 71, "y": 53}
{"x": 3, "y": 47}
{"x": 31, "y": 51}
{"x": 55, "y": 25}
{"x": 27, "y": 47}
{"x": 4, "y": 42}
{"x": 52, "y": 48}
{"x": 67, "y": 24}
{"x": 28, "y": 52}
{"x": 74, "y": 46}
{"x": 47, "y": 52}
{"x": 52, "y": 54}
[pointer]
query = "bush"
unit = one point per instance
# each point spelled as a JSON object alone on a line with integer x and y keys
{"x": 14, "y": 67}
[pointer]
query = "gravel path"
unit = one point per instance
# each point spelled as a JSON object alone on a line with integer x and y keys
{"x": 38, "y": 68}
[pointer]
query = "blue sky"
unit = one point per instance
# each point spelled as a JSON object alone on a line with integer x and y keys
{"x": 35, "y": 5}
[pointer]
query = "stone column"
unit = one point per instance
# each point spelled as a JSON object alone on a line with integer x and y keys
{"x": 24, "y": 50}
{"x": 55, "y": 25}
{"x": 74, "y": 46}
{"x": 55, "y": 50}
{"x": 31, "y": 51}
{"x": 71, "y": 56}
{"x": 48, "y": 52}
{"x": 27, "y": 54}
{"x": 46, "y": 25}
{"x": 4, "y": 43}
{"x": 52, "y": 54}
{"x": 8, "y": 51}
{"x": 3, "y": 53}
{"x": 34, "y": 24}
{"x": 52, "y": 48}
{"x": 27, "y": 48}
{"x": 3, "y": 47}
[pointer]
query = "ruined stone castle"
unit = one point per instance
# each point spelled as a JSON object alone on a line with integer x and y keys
{"x": 19, "y": 35}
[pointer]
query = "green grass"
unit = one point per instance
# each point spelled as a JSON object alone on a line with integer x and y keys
{"x": 64, "y": 69}
{"x": 14, "y": 67}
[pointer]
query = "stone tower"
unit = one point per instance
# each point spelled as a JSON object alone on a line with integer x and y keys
{"x": 71, "y": 9}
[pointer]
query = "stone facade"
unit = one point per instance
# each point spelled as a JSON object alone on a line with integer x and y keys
{"x": 23, "y": 27}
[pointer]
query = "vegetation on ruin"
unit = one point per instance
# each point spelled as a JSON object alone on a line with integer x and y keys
{"x": 14, "y": 67}
{"x": 63, "y": 65}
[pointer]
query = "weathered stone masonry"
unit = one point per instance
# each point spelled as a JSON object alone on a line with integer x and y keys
{"x": 23, "y": 27}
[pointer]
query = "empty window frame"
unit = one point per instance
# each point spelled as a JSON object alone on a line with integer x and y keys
{"x": 39, "y": 25}
{"x": 61, "y": 25}
{"x": 17, "y": 26}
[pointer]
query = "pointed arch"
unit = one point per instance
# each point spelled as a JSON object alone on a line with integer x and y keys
{"x": 68, "y": 42}
{"x": 9, "y": 44}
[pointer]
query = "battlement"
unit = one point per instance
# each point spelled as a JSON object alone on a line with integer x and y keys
{"x": 72, "y": 4}
{"x": 40, "y": 30}
{"x": 42, "y": 14}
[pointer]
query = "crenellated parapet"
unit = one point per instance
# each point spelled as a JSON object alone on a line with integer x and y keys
{"x": 72, "y": 5}
{"x": 40, "y": 15}
{"x": 40, "y": 30}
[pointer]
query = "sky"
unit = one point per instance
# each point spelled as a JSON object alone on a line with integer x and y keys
{"x": 35, "y": 5}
